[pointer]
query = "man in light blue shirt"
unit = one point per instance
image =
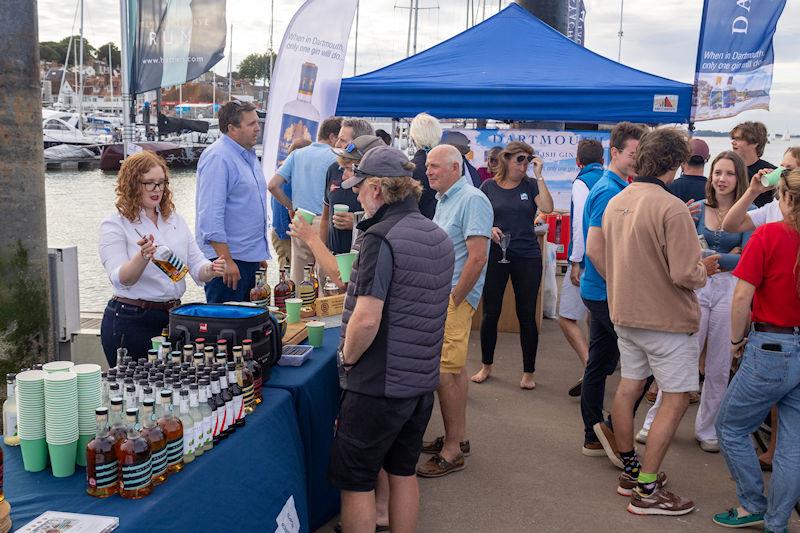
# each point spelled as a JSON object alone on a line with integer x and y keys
{"x": 466, "y": 215}
{"x": 231, "y": 204}
{"x": 305, "y": 170}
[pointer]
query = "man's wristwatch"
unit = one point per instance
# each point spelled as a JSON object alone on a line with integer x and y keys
{"x": 344, "y": 365}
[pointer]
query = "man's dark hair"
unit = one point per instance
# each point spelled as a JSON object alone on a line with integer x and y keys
{"x": 359, "y": 126}
{"x": 590, "y": 151}
{"x": 385, "y": 136}
{"x": 625, "y": 131}
{"x": 660, "y": 151}
{"x": 697, "y": 161}
{"x": 753, "y": 133}
{"x": 231, "y": 113}
{"x": 330, "y": 126}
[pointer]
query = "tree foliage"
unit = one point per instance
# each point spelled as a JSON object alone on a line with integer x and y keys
{"x": 255, "y": 67}
{"x": 116, "y": 55}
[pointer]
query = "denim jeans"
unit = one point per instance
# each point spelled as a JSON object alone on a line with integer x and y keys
{"x": 131, "y": 327}
{"x": 765, "y": 378}
{"x": 217, "y": 292}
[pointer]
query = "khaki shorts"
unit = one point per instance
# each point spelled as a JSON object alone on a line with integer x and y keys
{"x": 283, "y": 249}
{"x": 456, "y": 337}
{"x": 671, "y": 358}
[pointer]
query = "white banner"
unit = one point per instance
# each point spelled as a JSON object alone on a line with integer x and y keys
{"x": 306, "y": 78}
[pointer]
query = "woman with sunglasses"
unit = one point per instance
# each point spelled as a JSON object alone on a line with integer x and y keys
{"x": 143, "y": 293}
{"x": 765, "y": 323}
{"x": 515, "y": 198}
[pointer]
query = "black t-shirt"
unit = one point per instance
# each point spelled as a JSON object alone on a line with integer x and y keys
{"x": 689, "y": 187}
{"x": 339, "y": 240}
{"x": 427, "y": 203}
{"x": 765, "y": 197}
{"x": 514, "y": 211}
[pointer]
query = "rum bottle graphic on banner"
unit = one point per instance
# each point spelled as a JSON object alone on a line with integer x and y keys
{"x": 300, "y": 118}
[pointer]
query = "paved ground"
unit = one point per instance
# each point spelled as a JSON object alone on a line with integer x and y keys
{"x": 526, "y": 472}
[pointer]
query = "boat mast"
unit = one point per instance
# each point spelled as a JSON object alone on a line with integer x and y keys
{"x": 355, "y": 50}
{"x": 80, "y": 85}
{"x": 619, "y": 49}
{"x": 127, "y": 126}
{"x": 230, "y": 68}
{"x": 110, "y": 72}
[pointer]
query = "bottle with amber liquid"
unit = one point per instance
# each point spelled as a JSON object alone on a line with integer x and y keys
{"x": 116, "y": 423}
{"x": 283, "y": 290}
{"x": 169, "y": 263}
{"x": 260, "y": 294}
{"x": 255, "y": 369}
{"x": 307, "y": 292}
{"x": 173, "y": 430}
{"x": 314, "y": 278}
{"x": 157, "y": 439}
{"x": 245, "y": 380}
{"x": 102, "y": 469}
{"x": 135, "y": 465}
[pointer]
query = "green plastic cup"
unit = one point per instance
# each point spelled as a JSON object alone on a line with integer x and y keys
{"x": 315, "y": 330}
{"x": 62, "y": 458}
{"x": 345, "y": 262}
{"x": 80, "y": 457}
{"x": 156, "y": 341}
{"x": 293, "y": 310}
{"x": 34, "y": 454}
{"x": 771, "y": 179}
{"x": 308, "y": 215}
{"x": 341, "y": 208}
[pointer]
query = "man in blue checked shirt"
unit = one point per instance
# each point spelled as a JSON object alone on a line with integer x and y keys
{"x": 231, "y": 204}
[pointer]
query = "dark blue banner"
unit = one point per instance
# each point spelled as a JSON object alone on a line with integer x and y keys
{"x": 576, "y": 17}
{"x": 734, "y": 57}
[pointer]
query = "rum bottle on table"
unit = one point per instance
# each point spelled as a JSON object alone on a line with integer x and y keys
{"x": 173, "y": 429}
{"x": 283, "y": 291}
{"x": 238, "y": 397}
{"x": 117, "y": 425}
{"x": 245, "y": 380}
{"x": 307, "y": 293}
{"x": 255, "y": 369}
{"x": 157, "y": 439}
{"x": 188, "y": 428}
{"x": 217, "y": 405}
{"x": 260, "y": 294}
{"x": 314, "y": 279}
{"x": 208, "y": 415}
{"x": 135, "y": 465}
{"x": 102, "y": 468}
{"x": 197, "y": 416}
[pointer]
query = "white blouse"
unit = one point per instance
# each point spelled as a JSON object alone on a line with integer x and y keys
{"x": 118, "y": 240}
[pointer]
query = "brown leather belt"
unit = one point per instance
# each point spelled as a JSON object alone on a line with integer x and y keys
{"x": 769, "y": 328}
{"x": 146, "y": 304}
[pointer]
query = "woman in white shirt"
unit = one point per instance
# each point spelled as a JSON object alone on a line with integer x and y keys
{"x": 143, "y": 293}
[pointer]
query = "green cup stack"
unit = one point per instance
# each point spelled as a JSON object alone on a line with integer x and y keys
{"x": 55, "y": 367}
{"x": 61, "y": 421}
{"x": 90, "y": 397}
{"x": 31, "y": 420}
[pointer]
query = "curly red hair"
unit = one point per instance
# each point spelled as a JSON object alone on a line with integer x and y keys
{"x": 129, "y": 191}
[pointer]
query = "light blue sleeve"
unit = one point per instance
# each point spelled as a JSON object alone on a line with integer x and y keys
{"x": 286, "y": 168}
{"x": 478, "y": 217}
{"x": 598, "y": 208}
{"x": 213, "y": 179}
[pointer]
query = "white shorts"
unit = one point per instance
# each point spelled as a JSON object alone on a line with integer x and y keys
{"x": 672, "y": 358}
{"x": 571, "y": 306}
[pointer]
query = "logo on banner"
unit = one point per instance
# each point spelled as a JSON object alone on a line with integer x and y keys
{"x": 665, "y": 103}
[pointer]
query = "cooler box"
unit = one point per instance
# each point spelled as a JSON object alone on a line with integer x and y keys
{"x": 558, "y": 233}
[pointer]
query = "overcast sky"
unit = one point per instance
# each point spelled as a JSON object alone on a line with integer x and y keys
{"x": 660, "y": 36}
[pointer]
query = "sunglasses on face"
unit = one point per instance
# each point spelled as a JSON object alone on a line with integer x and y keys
{"x": 151, "y": 186}
{"x": 521, "y": 158}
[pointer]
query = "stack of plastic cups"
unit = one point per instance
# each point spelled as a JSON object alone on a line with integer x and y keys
{"x": 30, "y": 419}
{"x": 61, "y": 421}
{"x": 90, "y": 397}
{"x": 57, "y": 366}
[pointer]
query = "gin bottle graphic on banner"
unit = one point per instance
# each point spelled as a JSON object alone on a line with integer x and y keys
{"x": 300, "y": 118}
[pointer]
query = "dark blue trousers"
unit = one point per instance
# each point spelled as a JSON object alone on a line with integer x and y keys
{"x": 217, "y": 292}
{"x": 131, "y": 327}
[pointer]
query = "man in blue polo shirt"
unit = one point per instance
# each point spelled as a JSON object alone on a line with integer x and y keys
{"x": 603, "y": 351}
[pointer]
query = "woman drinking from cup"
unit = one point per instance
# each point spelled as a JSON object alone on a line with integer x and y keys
{"x": 514, "y": 253}
{"x": 146, "y": 249}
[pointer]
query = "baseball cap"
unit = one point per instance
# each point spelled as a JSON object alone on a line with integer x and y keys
{"x": 360, "y": 145}
{"x": 457, "y": 139}
{"x": 383, "y": 162}
{"x": 699, "y": 148}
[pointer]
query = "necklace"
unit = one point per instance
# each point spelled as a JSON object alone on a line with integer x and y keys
{"x": 720, "y": 216}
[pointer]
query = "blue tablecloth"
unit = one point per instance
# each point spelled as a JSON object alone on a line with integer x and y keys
{"x": 241, "y": 485}
{"x": 315, "y": 389}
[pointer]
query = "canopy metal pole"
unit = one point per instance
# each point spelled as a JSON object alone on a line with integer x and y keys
{"x": 355, "y": 48}
{"x": 619, "y": 50}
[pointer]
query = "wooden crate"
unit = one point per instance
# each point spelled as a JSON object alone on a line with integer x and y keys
{"x": 330, "y": 305}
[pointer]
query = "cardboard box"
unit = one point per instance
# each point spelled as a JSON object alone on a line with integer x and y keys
{"x": 330, "y": 305}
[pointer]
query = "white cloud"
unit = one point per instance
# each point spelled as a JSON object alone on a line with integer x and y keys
{"x": 660, "y": 36}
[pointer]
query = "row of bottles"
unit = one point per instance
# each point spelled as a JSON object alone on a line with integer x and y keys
{"x": 308, "y": 290}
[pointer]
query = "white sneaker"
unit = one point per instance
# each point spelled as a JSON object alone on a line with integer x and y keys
{"x": 710, "y": 446}
{"x": 641, "y": 437}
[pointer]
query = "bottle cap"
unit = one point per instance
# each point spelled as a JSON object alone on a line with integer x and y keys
{"x": 222, "y": 341}
{"x": 193, "y": 386}
{"x": 130, "y": 388}
{"x": 166, "y": 393}
{"x": 147, "y": 390}
{"x": 231, "y": 366}
{"x": 132, "y": 411}
{"x": 116, "y": 401}
{"x": 247, "y": 341}
{"x": 149, "y": 402}
{"x": 101, "y": 411}
{"x": 200, "y": 340}
{"x": 159, "y": 384}
{"x": 184, "y": 392}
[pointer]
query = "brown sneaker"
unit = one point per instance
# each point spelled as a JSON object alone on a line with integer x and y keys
{"x": 627, "y": 483}
{"x": 651, "y": 396}
{"x": 438, "y": 466}
{"x": 660, "y": 502}
{"x": 437, "y": 444}
{"x": 606, "y": 437}
{"x": 593, "y": 449}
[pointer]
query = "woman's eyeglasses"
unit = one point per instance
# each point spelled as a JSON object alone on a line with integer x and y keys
{"x": 493, "y": 160}
{"x": 151, "y": 186}
{"x": 521, "y": 158}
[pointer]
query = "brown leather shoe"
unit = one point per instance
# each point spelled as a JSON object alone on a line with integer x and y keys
{"x": 437, "y": 444}
{"x": 606, "y": 437}
{"x": 438, "y": 466}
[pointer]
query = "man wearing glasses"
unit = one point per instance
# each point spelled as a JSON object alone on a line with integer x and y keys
{"x": 231, "y": 204}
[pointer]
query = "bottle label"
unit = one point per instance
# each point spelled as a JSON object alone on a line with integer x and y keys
{"x": 175, "y": 451}
{"x": 238, "y": 407}
{"x": 198, "y": 435}
{"x": 159, "y": 461}
{"x": 9, "y": 425}
{"x": 215, "y": 422}
{"x": 137, "y": 476}
{"x": 248, "y": 395}
{"x": 188, "y": 439}
{"x": 104, "y": 476}
{"x": 294, "y": 129}
{"x": 229, "y": 414}
{"x": 208, "y": 428}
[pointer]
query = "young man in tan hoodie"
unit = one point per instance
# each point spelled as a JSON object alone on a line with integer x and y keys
{"x": 652, "y": 266}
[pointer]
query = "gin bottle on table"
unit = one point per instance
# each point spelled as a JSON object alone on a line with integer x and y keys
{"x": 227, "y": 397}
{"x": 135, "y": 465}
{"x": 173, "y": 429}
{"x": 238, "y": 397}
{"x": 102, "y": 468}
{"x": 245, "y": 380}
{"x": 10, "y": 436}
{"x": 208, "y": 415}
{"x": 306, "y": 289}
{"x": 157, "y": 439}
{"x": 255, "y": 369}
{"x": 188, "y": 428}
{"x": 300, "y": 118}
{"x": 197, "y": 416}
{"x": 217, "y": 405}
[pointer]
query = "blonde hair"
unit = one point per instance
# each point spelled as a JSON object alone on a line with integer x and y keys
{"x": 396, "y": 190}
{"x": 789, "y": 186}
{"x": 425, "y": 131}
{"x": 129, "y": 186}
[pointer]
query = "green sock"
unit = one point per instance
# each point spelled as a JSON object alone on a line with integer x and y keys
{"x": 646, "y": 479}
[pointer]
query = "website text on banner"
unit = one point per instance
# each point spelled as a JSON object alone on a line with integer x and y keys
{"x": 734, "y": 57}
{"x": 174, "y": 42}
{"x": 556, "y": 148}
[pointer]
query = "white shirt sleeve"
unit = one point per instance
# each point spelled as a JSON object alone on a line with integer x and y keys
{"x": 580, "y": 192}
{"x": 765, "y": 214}
{"x": 113, "y": 249}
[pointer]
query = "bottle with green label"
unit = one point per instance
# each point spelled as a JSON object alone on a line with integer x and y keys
{"x": 188, "y": 427}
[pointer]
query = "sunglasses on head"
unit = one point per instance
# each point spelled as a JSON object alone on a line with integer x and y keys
{"x": 350, "y": 148}
{"x": 521, "y": 158}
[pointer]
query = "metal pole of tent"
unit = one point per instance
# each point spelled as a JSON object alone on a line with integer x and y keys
{"x": 619, "y": 49}
{"x": 355, "y": 48}
{"x": 416, "y": 23}
{"x": 408, "y": 36}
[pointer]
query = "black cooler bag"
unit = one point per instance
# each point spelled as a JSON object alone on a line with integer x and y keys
{"x": 234, "y": 323}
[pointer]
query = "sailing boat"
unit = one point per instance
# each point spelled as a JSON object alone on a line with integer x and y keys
{"x": 786, "y": 136}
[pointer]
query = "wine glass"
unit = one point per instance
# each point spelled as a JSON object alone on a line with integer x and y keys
{"x": 505, "y": 240}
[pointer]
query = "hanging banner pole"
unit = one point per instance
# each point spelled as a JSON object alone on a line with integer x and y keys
{"x": 127, "y": 125}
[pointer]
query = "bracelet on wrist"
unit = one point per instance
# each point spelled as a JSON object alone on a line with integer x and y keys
{"x": 738, "y": 342}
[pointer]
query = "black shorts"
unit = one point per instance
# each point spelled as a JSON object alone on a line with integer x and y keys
{"x": 375, "y": 432}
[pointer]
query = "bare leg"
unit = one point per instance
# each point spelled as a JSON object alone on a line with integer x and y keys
{"x": 358, "y": 511}
{"x": 575, "y": 337}
{"x": 673, "y": 406}
{"x": 453, "y": 401}
{"x": 628, "y": 392}
{"x": 382, "y": 498}
{"x": 482, "y": 374}
{"x": 403, "y": 504}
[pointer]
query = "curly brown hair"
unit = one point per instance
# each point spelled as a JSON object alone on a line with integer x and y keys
{"x": 129, "y": 190}
{"x": 660, "y": 151}
{"x": 511, "y": 149}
